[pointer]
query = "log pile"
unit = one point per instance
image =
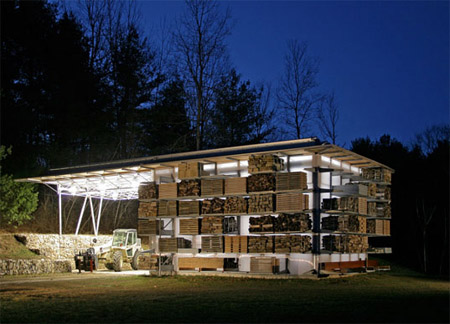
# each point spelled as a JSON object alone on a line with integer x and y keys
{"x": 346, "y": 243}
{"x": 385, "y": 193}
{"x": 235, "y": 186}
{"x": 189, "y": 188}
{"x": 353, "y": 204}
{"x": 189, "y": 226}
{"x": 372, "y": 192}
{"x": 188, "y": 208}
{"x": 263, "y": 224}
{"x": 379, "y": 226}
{"x": 148, "y": 226}
{"x": 260, "y": 204}
{"x": 345, "y": 223}
{"x": 148, "y": 209}
{"x": 167, "y": 208}
{"x": 230, "y": 225}
{"x": 212, "y": 187}
{"x": 379, "y": 209}
{"x": 372, "y": 208}
{"x": 148, "y": 190}
{"x": 167, "y": 245}
{"x": 235, "y": 205}
{"x": 236, "y": 244}
{"x": 190, "y": 170}
{"x": 387, "y": 211}
{"x": 264, "y": 163}
{"x": 264, "y": 265}
{"x": 260, "y": 244}
{"x": 182, "y": 243}
{"x": 377, "y": 174}
{"x": 212, "y": 225}
{"x": 199, "y": 263}
{"x": 261, "y": 182}
{"x": 213, "y": 206}
{"x": 147, "y": 262}
{"x": 291, "y": 181}
{"x": 168, "y": 190}
{"x": 292, "y": 202}
{"x": 292, "y": 244}
{"x": 212, "y": 244}
{"x": 292, "y": 223}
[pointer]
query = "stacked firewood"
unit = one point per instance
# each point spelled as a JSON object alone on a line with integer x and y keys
{"x": 346, "y": 243}
{"x": 212, "y": 244}
{"x": 189, "y": 226}
{"x": 263, "y": 224}
{"x": 291, "y": 181}
{"x": 167, "y": 208}
{"x": 148, "y": 226}
{"x": 148, "y": 209}
{"x": 190, "y": 170}
{"x": 260, "y": 244}
{"x": 187, "y": 208}
{"x": 261, "y": 182}
{"x": 236, "y": 205}
{"x": 372, "y": 192}
{"x": 213, "y": 206}
{"x": 292, "y": 223}
{"x": 387, "y": 211}
{"x": 353, "y": 204}
{"x": 372, "y": 208}
{"x": 148, "y": 190}
{"x": 384, "y": 192}
{"x": 212, "y": 187}
{"x": 189, "y": 188}
{"x": 260, "y": 204}
{"x": 169, "y": 244}
{"x": 292, "y": 244}
{"x": 377, "y": 174}
{"x": 212, "y": 225}
{"x": 264, "y": 163}
{"x": 345, "y": 223}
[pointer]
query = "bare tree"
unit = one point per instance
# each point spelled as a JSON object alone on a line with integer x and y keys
{"x": 328, "y": 116}
{"x": 296, "y": 91}
{"x": 428, "y": 140}
{"x": 424, "y": 216}
{"x": 199, "y": 41}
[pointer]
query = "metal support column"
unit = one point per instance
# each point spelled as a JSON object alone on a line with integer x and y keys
{"x": 92, "y": 216}
{"x": 316, "y": 218}
{"x": 81, "y": 215}
{"x": 60, "y": 211}
{"x": 99, "y": 215}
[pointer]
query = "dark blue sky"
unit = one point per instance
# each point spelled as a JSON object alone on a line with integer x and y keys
{"x": 388, "y": 62}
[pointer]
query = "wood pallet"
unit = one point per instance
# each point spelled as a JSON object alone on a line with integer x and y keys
{"x": 148, "y": 209}
{"x": 189, "y": 188}
{"x": 212, "y": 187}
{"x": 168, "y": 190}
{"x": 188, "y": 208}
{"x": 264, "y": 163}
{"x": 236, "y": 205}
{"x": 291, "y": 181}
{"x": 260, "y": 204}
{"x": 213, "y": 206}
{"x": 189, "y": 226}
{"x": 167, "y": 208}
{"x": 212, "y": 244}
{"x": 236, "y": 244}
{"x": 212, "y": 225}
{"x": 261, "y": 182}
{"x": 148, "y": 190}
{"x": 291, "y": 201}
{"x": 235, "y": 186}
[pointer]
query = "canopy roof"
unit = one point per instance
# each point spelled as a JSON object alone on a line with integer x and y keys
{"x": 121, "y": 179}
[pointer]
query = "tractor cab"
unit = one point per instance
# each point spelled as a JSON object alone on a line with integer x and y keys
{"x": 125, "y": 239}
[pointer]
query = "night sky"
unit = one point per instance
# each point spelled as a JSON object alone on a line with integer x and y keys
{"x": 388, "y": 62}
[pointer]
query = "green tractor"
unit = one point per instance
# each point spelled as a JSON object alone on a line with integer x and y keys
{"x": 125, "y": 247}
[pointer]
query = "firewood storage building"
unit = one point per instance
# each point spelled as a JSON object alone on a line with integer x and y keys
{"x": 290, "y": 207}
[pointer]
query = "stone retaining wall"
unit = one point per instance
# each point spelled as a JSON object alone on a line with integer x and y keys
{"x": 33, "y": 266}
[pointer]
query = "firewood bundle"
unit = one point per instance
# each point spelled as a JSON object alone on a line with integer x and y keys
{"x": 260, "y": 244}
{"x": 292, "y": 223}
{"x": 212, "y": 244}
{"x": 148, "y": 190}
{"x": 189, "y": 226}
{"x": 345, "y": 223}
{"x": 212, "y": 187}
{"x": 292, "y": 244}
{"x": 379, "y": 209}
{"x": 148, "y": 209}
{"x": 384, "y": 192}
{"x": 167, "y": 208}
{"x": 236, "y": 205}
{"x": 346, "y": 243}
{"x": 372, "y": 192}
{"x": 377, "y": 174}
{"x": 212, "y": 225}
{"x": 189, "y": 188}
{"x": 148, "y": 226}
{"x": 353, "y": 204}
{"x": 387, "y": 211}
{"x": 263, "y": 224}
{"x": 260, "y": 204}
{"x": 168, "y": 244}
{"x": 261, "y": 182}
{"x": 213, "y": 206}
{"x": 188, "y": 208}
{"x": 372, "y": 208}
{"x": 291, "y": 181}
{"x": 264, "y": 163}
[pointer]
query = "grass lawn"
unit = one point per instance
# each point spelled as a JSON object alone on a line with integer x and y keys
{"x": 398, "y": 296}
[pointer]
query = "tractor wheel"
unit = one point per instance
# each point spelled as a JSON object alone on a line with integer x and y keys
{"x": 135, "y": 261}
{"x": 117, "y": 261}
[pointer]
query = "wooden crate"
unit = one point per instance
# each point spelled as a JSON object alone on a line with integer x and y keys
{"x": 291, "y": 181}
{"x": 260, "y": 204}
{"x": 188, "y": 208}
{"x": 189, "y": 226}
{"x": 291, "y": 202}
{"x": 261, "y": 182}
{"x": 189, "y": 188}
{"x": 235, "y": 205}
{"x": 212, "y": 244}
{"x": 168, "y": 190}
{"x": 199, "y": 263}
{"x": 148, "y": 209}
{"x": 235, "y": 244}
{"x": 264, "y": 265}
{"x": 212, "y": 187}
{"x": 167, "y": 208}
{"x": 148, "y": 190}
{"x": 235, "y": 186}
{"x": 212, "y": 225}
{"x": 168, "y": 245}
